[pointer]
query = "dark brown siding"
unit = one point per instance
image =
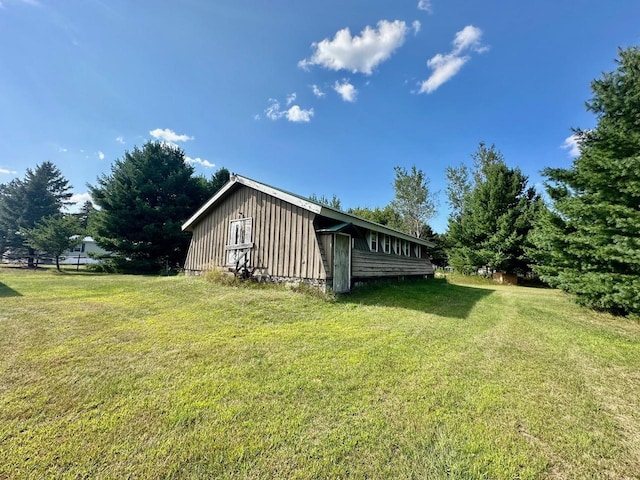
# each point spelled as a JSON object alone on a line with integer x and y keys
{"x": 284, "y": 238}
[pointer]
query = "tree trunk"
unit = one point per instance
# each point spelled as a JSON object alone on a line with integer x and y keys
{"x": 58, "y": 262}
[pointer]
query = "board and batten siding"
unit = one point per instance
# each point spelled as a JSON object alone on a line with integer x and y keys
{"x": 367, "y": 264}
{"x": 284, "y": 237}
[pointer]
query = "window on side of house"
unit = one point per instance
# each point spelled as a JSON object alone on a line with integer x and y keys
{"x": 417, "y": 249}
{"x": 373, "y": 241}
{"x": 397, "y": 246}
{"x": 386, "y": 244}
{"x": 406, "y": 251}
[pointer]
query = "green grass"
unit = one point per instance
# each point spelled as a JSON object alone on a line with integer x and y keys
{"x": 123, "y": 376}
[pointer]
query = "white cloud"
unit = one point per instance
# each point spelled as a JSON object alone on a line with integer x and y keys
{"x": 291, "y": 98}
{"x": 417, "y": 26}
{"x": 273, "y": 111}
{"x": 7, "y": 172}
{"x": 293, "y": 114}
{"x": 297, "y": 115}
{"x": 256, "y": 117}
{"x": 317, "y": 92}
{"x": 446, "y": 66}
{"x": 120, "y": 140}
{"x": 77, "y": 200}
{"x": 101, "y": 155}
{"x": 169, "y": 135}
{"x": 425, "y": 5}
{"x": 469, "y": 39}
{"x": 63, "y": 150}
{"x": 347, "y": 91}
{"x": 359, "y": 53}
{"x": 572, "y": 143}
{"x": 80, "y": 198}
{"x": 199, "y": 161}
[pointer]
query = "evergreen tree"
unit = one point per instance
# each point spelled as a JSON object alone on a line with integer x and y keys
{"x": 149, "y": 194}
{"x": 588, "y": 243}
{"x": 208, "y": 188}
{"x": 84, "y": 215}
{"x": 218, "y": 180}
{"x": 492, "y": 215}
{"x": 42, "y": 193}
{"x": 54, "y": 235}
{"x": 12, "y": 204}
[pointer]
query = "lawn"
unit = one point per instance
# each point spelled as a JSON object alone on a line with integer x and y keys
{"x": 108, "y": 376}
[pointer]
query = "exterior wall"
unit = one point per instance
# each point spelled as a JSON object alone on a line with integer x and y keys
{"x": 367, "y": 264}
{"x": 284, "y": 237}
{"x": 326, "y": 247}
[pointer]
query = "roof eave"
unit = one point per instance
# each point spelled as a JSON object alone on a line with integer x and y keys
{"x": 202, "y": 210}
{"x": 313, "y": 207}
{"x": 361, "y": 222}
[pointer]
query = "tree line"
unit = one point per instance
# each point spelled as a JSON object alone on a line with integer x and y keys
{"x": 136, "y": 213}
{"x": 584, "y": 237}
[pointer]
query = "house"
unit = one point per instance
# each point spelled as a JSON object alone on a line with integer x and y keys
{"x": 253, "y": 229}
{"x": 79, "y": 255}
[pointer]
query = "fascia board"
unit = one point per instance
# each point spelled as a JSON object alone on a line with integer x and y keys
{"x": 360, "y": 222}
{"x": 279, "y": 194}
{"x": 220, "y": 193}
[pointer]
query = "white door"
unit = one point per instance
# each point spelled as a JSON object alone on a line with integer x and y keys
{"x": 239, "y": 242}
{"x": 341, "y": 263}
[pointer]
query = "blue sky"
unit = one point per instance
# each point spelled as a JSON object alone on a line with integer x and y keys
{"x": 312, "y": 97}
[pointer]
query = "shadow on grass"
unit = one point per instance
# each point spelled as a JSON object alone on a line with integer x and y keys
{"x": 434, "y": 296}
{"x": 6, "y": 291}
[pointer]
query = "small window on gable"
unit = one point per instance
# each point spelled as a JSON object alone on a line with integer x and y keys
{"x": 239, "y": 243}
{"x": 386, "y": 244}
{"x": 397, "y": 244}
{"x": 405, "y": 248}
{"x": 373, "y": 241}
{"x": 418, "y": 251}
{"x": 240, "y": 231}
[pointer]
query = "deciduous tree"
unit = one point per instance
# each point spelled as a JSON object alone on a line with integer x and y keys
{"x": 333, "y": 202}
{"x": 413, "y": 201}
{"x": 54, "y": 235}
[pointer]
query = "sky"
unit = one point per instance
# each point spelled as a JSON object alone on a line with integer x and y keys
{"x": 321, "y": 98}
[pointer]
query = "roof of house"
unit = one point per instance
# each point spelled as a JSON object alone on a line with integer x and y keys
{"x": 299, "y": 201}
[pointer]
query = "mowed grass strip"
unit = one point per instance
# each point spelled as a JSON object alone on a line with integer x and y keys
{"x": 124, "y": 376}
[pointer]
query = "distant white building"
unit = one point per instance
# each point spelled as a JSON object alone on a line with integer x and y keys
{"x": 79, "y": 255}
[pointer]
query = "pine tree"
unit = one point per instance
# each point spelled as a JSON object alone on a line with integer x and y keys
{"x": 87, "y": 210}
{"x": 588, "y": 243}
{"x": 42, "y": 193}
{"x": 144, "y": 201}
{"x": 492, "y": 215}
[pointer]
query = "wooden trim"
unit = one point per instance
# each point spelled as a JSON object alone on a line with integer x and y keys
{"x": 294, "y": 200}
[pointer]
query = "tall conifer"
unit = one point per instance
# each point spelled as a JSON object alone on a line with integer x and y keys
{"x": 589, "y": 242}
